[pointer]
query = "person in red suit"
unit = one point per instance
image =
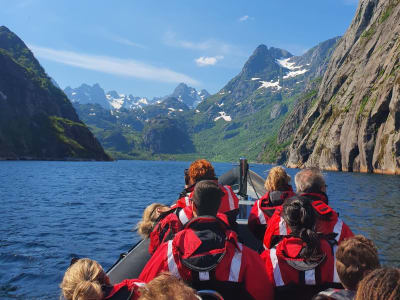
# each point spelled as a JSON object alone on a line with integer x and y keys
{"x": 208, "y": 255}
{"x": 302, "y": 263}
{"x": 278, "y": 190}
{"x": 310, "y": 184}
{"x": 203, "y": 170}
{"x": 86, "y": 279}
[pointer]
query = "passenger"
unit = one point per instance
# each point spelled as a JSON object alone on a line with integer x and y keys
{"x": 149, "y": 219}
{"x": 85, "y": 279}
{"x": 302, "y": 263}
{"x": 309, "y": 184}
{"x": 380, "y": 284}
{"x": 208, "y": 255}
{"x": 203, "y": 170}
{"x": 159, "y": 223}
{"x": 355, "y": 258}
{"x": 278, "y": 190}
{"x": 167, "y": 287}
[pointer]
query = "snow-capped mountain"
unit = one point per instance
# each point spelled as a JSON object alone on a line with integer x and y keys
{"x": 118, "y": 101}
{"x": 85, "y": 94}
{"x": 188, "y": 95}
{"x": 113, "y": 100}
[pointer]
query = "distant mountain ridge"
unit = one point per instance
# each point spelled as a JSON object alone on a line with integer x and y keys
{"x": 242, "y": 119}
{"x": 86, "y": 94}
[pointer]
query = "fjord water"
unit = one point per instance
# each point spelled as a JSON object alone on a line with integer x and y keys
{"x": 53, "y": 211}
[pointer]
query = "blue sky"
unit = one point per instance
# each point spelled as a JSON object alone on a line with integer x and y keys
{"x": 146, "y": 48}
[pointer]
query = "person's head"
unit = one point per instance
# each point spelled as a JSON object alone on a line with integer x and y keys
{"x": 167, "y": 287}
{"x": 299, "y": 215}
{"x": 355, "y": 258}
{"x": 201, "y": 170}
{"x": 310, "y": 180}
{"x": 277, "y": 180}
{"x": 206, "y": 198}
{"x": 83, "y": 280}
{"x": 380, "y": 284}
{"x": 150, "y": 215}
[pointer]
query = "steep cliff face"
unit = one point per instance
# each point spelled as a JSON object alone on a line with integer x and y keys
{"x": 37, "y": 121}
{"x": 354, "y": 124}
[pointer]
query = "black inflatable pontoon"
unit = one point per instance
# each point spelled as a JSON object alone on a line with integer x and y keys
{"x": 249, "y": 187}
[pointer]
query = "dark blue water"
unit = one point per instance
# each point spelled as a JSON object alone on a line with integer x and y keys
{"x": 52, "y": 211}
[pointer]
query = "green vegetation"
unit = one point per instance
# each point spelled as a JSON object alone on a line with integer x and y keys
{"x": 363, "y": 103}
{"x": 367, "y": 34}
{"x": 388, "y": 11}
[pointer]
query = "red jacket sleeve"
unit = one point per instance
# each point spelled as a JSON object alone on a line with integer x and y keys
{"x": 255, "y": 277}
{"x": 156, "y": 264}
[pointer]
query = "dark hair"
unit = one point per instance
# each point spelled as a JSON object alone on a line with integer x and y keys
{"x": 299, "y": 214}
{"x": 380, "y": 284}
{"x": 207, "y": 198}
{"x": 355, "y": 257}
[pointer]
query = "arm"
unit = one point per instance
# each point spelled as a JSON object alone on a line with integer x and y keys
{"x": 255, "y": 277}
{"x": 156, "y": 264}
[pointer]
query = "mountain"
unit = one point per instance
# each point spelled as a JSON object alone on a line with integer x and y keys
{"x": 355, "y": 121}
{"x": 122, "y": 101}
{"x": 188, "y": 95}
{"x": 37, "y": 121}
{"x": 86, "y": 94}
{"x": 244, "y": 117}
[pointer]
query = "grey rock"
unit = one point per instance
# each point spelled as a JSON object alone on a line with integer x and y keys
{"x": 355, "y": 124}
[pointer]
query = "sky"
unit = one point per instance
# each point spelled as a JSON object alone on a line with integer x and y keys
{"x": 146, "y": 48}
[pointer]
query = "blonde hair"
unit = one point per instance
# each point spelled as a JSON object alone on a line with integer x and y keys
{"x": 167, "y": 287}
{"x": 145, "y": 226}
{"x": 277, "y": 179}
{"x": 83, "y": 280}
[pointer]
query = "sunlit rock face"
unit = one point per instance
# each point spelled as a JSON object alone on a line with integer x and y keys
{"x": 354, "y": 125}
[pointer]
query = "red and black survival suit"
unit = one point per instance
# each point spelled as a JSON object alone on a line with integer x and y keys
{"x": 295, "y": 278}
{"x": 264, "y": 208}
{"x": 207, "y": 255}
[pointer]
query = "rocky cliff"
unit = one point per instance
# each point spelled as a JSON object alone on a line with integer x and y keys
{"x": 37, "y": 121}
{"x": 354, "y": 124}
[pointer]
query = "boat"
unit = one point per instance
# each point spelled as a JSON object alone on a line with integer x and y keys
{"x": 248, "y": 186}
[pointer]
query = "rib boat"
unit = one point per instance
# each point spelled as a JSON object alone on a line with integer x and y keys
{"x": 248, "y": 186}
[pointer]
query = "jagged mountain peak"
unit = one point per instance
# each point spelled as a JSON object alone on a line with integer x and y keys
{"x": 113, "y": 94}
{"x": 262, "y": 60}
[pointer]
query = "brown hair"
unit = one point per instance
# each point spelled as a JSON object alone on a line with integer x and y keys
{"x": 277, "y": 180}
{"x": 380, "y": 284}
{"x": 355, "y": 258}
{"x": 201, "y": 170}
{"x": 83, "y": 280}
{"x": 145, "y": 226}
{"x": 167, "y": 287}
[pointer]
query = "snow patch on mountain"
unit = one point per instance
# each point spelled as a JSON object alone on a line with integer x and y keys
{"x": 223, "y": 115}
{"x": 294, "y": 70}
{"x": 270, "y": 84}
{"x": 295, "y": 73}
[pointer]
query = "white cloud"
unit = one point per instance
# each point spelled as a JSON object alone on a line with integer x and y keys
{"x": 216, "y": 46}
{"x": 112, "y": 65}
{"x": 245, "y": 18}
{"x": 207, "y": 60}
{"x": 127, "y": 42}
